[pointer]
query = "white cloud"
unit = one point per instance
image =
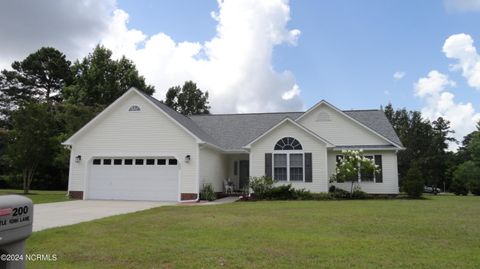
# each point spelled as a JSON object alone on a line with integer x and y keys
{"x": 235, "y": 66}
{"x": 73, "y": 27}
{"x": 294, "y": 91}
{"x": 440, "y": 103}
{"x": 460, "y": 47}
{"x": 398, "y": 75}
{"x": 462, "y": 5}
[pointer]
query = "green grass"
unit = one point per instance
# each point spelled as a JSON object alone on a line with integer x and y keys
{"x": 40, "y": 197}
{"x": 439, "y": 232}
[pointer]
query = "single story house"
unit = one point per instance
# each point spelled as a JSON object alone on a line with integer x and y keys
{"x": 140, "y": 149}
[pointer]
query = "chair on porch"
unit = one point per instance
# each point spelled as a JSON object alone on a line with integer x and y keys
{"x": 228, "y": 186}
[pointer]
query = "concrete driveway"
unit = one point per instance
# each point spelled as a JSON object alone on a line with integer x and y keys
{"x": 72, "y": 212}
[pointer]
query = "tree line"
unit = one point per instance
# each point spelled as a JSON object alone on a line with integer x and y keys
{"x": 426, "y": 161}
{"x": 45, "y": 98}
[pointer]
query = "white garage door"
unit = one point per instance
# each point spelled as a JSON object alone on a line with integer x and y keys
{"x": 148, "y": 179}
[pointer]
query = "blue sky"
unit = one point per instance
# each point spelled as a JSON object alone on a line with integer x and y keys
{"x": 347, "y": 52}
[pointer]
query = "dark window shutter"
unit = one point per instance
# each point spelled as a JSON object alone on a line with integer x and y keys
{"x": 308, "y": 167}
{"x": 268, "y": 165}
{"x": 379, "y": 175}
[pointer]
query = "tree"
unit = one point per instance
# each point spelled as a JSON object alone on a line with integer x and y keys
{"x": 351, "y": 165}
{"x": 39, "y": 77}
{"x": 414, "y": 181}
{"x": 98, "y": 80}
{"x": 30, "y": 140}
{"x": 188, "y": 99}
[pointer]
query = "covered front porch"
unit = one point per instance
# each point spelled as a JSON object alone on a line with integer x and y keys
{"x": 238, "y": 172}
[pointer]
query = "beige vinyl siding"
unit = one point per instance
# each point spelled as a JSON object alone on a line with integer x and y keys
{"x": 145, "y": 133}
{"x": 389, "y": 173}
{"x": 309, "y": 143}
{"x": 213, "y": 168}
{"x": 339, "y": 129}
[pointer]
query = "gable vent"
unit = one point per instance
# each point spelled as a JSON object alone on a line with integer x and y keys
{"x": 134, "y": 108}
{"x": 323, "y": 116}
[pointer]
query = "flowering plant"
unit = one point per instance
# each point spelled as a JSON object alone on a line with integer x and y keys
{"x": 350, "y": 164}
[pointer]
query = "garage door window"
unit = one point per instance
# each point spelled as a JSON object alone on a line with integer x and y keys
{"x": 128, "y": 162}
{"x": 107, "y": 161}
{"x": 138, "y": 161}
{"x": 172, "y": 162}
{"x": 97, "y": 161}
{"x": 150, "y": 161}
{"x": 117, "y": 162}
{"x": 161, "y": 161}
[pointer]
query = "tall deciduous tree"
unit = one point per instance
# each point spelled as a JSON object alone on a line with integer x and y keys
{"x": 31, "y": 140}
{"x": 188, "y": 99}
{"x": 99, "y": 80}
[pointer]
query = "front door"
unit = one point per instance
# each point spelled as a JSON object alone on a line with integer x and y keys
{"x": 244, "y": 174}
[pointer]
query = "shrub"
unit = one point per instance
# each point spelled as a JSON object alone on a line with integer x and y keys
{"x": 459, "y": 187}
{"x": 208, "y": 193}
{"x": 303, "y": 194}
{"x": 340, "y": 194}
{"x": 357, "y": 193}
{"x": 475, "y": 187}
{"x": 261, "y": 186}
{"x": 282, "y": 192}
{"x": 332, "y": 188}
{"x": 413, "y": 182}
{"x": 323, "y": 196}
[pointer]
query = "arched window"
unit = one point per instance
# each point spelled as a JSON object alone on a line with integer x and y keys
{"x": 288, "y": 166}
{"x": 288, "y": 143}
{"x": 134, "y": 108}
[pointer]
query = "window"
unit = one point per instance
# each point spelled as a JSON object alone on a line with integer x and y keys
{"x": 97, "y": 161}
{"x": 288, "y": 143}
{"x": 107, "y": 161}
{"x": 161, "y": 162}
{"x": 138, "y": 161}
{"x": 235, "y": 168}
{"x": 296, "y": 167}
{"x": 364, "y": 176}
{"x": 150, "y": 161}
{"x": 288, "y": 166}
{"x": 128, "y": 161}
{"x": 280, "y": 167}
{"x": 117, "y": 162}
{"x": 134, "y": 108}
{"x": 172, "y": 162}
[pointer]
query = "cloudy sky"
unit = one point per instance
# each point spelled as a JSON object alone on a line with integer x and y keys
{"x": 275, "y": 55}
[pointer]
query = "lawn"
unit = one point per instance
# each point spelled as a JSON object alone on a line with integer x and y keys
{"x": 40, "y": 197}
{"x": 438, "y": 232}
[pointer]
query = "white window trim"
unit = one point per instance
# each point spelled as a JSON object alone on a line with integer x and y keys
{"x": 359, "y": 175}
{"x": 288, "y": 152}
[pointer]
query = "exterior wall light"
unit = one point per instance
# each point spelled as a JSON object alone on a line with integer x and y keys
{"x": 187, "y": 158}
{"x": 78, "y": 158}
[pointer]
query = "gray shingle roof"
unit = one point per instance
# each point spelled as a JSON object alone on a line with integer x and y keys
{"x": 233, "y": 131}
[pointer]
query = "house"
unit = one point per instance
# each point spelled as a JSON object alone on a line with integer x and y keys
{"x": 140, "y": 149}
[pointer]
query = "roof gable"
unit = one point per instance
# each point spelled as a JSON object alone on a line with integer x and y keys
{"x": 113, "y": 106}
{"x": 373, "y": 123}
{"x": 295, "y": 124}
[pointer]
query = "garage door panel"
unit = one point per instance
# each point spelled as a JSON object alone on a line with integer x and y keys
{"x": 133, "y": 182}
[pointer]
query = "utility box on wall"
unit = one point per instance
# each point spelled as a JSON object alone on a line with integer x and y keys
{"x": 16, "y": 219}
